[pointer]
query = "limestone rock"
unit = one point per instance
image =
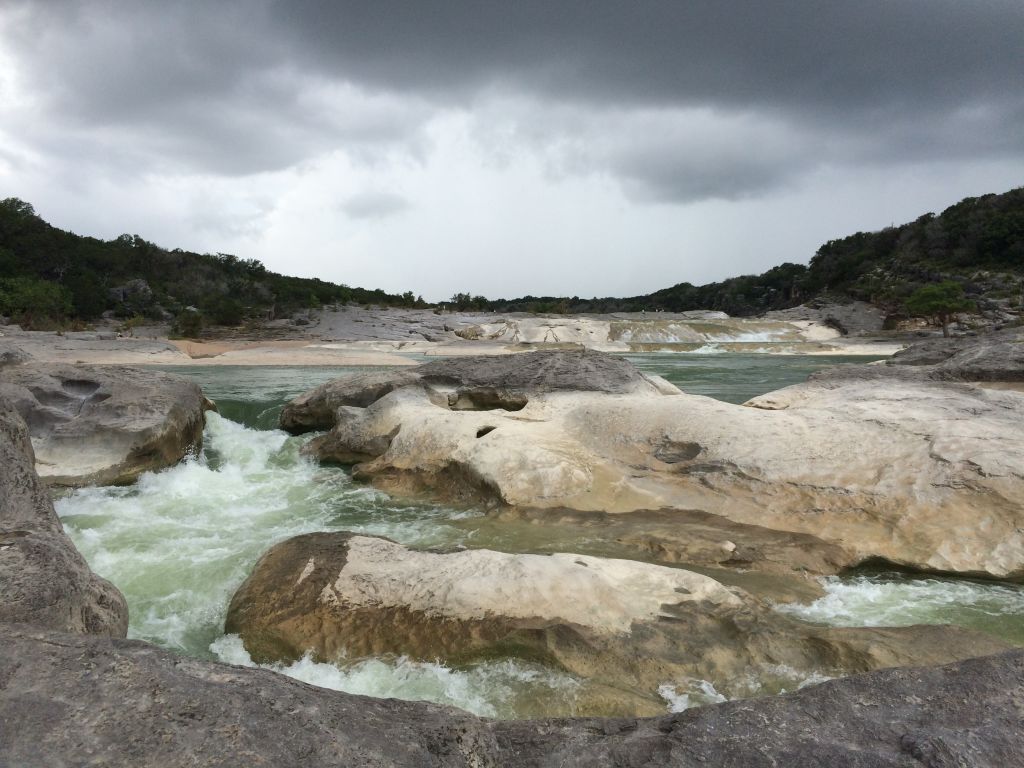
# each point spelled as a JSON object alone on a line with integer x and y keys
{"x": 617, "y": 624}
{"x": 145, "y": 706}
{"x": 104, "y": 424}
{"x": 988, "y": 357}
{"x": 855, "y": 318}
{"x": 316, "y": 409}
{"x": 43, "y": 579}
{"x": 883, "y": 463}
{"x": 472, "y": 383}
{"x": 779, "y": 565}
{"x": 11, "y": 354}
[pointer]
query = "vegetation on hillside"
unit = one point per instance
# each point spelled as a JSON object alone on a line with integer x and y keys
{"x": 978, "y": 243}
{"x": 49, "y": 276}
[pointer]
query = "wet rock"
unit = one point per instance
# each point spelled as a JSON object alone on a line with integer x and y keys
{"x": 43, "y": 579}
{"x": 147, "y": 706}
{"x": 316, "y": 409}
{"x": 779, "y": 564}
{"x": 104, "y": 424}
{"x": 617, "y": 624}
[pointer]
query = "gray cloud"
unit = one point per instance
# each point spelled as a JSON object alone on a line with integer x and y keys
{"x": 374, "y": 205}
{"x": 676, "y": 101}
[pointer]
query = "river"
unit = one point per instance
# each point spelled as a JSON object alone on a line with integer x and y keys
{"x": 179, "y": 542}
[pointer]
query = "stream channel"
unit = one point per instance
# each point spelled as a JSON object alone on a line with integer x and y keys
{"x": 179, "y": 542}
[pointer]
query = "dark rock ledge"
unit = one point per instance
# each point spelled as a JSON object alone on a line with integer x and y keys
{"x": 68, "y": 700}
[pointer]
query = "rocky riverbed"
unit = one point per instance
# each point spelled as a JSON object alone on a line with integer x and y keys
{"x": 354, "y": 335}
{"x": 853, "y": 466}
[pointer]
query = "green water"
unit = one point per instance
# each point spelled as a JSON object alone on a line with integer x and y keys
{"x": 737, "y": 377}
{"x": 179, "y": 542}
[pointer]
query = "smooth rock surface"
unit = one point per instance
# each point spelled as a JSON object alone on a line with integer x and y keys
{"x": 472, "y": 383}
{"x": 617, "y": 624}
{"x": 880, "y": 463}
{"x": 989, "y": 357}
{"x": 780, "y": 565}
{"x": 43, "y": 578}
{"x": 101, "y": 425}
{"x": 77, "y": 701}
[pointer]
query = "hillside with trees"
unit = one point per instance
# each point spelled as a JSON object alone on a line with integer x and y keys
{"x": 977, "y": 243}
{"x": 49, "y": 277}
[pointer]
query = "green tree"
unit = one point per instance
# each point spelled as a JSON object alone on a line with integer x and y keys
{"x": 226, "y": 311}
{"x": 940, "y": 301}
{"x": 188, "y": 324}
{"x": 34, "y": 304}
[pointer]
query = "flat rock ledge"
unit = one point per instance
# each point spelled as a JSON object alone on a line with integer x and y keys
{"x": 68, "y": 700}
{"x": 878, "y": 463}
{"x": 43, "y": 579}
{"x": 991, "y": 357}
{"x": 621, "y": 626}
{"x": 104, "y": 425}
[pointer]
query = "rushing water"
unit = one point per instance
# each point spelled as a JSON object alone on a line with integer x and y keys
{"x": 899, "y": 600}
{"x": 179, "y": 542}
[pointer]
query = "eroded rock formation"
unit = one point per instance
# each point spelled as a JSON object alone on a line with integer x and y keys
{"x": 617, "y": 624}
{"x": 879, "y": 462}
{"x": 145, "y": 706}
{"x": 103, "y": 425}
{"x": 43, "y": 579}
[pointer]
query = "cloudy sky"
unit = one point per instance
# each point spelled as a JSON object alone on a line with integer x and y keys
{"x": 511, "y": 147}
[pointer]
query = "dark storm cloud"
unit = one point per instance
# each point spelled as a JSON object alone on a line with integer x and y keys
{"x": 237, "y": 88}
{"x": 867, "y": 54}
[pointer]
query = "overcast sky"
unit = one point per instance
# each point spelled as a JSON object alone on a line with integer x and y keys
{"x": 511, "y": 147}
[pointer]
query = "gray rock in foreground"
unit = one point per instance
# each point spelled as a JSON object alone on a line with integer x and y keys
{"x": 43, "y": 578}
{"x": 104, "y": 424}
{"x": 83, "y": 701}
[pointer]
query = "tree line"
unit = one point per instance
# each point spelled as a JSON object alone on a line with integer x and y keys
{"x": 977, "y": 243}
{"x": 49, "y": 276}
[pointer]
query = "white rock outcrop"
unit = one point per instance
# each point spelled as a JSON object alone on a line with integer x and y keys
{"x": 917, "y": 472}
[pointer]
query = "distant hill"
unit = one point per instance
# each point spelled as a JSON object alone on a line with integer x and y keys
{"x": 49, "y": 276}
{"x": 979, "y": 243}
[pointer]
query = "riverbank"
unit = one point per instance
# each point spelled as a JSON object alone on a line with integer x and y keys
{"x": 356, "y": 336}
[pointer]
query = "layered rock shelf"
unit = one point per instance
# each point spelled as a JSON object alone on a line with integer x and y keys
{"x": 916, "y": 464}
{"x": 879, "y": 463}
{"x": 622, "y": 626}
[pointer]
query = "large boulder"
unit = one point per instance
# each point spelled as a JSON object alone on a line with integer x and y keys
{"x": 101, "y": 425}
{"x": 472, "y": 383}
{"x": 618, "y": 624}
{"x": 145, "y": 706}
{"x": 991, "y": 357}
{"x": 43, "y": 579}
{"x": 881, "y": 463}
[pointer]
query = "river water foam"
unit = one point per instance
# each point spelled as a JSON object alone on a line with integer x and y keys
{"x": 179, "y": 542}
{"x": 897, "y": 600}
